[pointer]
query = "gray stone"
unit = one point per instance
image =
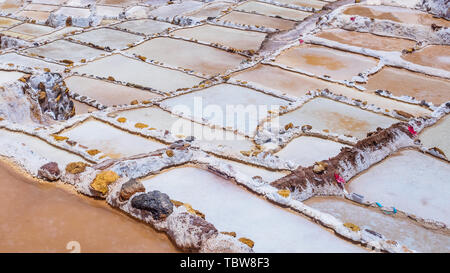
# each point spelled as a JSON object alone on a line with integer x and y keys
{"x": 49, "y": 171}
{"x": 129, "y": 188}
{"x": 156, "y": 202}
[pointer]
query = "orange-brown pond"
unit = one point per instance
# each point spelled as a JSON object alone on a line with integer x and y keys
{"x": 403, "y": 82}
{"x": 437, "y": 56}
{"x": 41, "y": 217}
{"x": 367, "y": 40}
{"x": 396, "y": 14}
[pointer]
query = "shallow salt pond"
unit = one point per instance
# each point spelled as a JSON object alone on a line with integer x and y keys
{"x": 402, "y": 82}
{"x": 176, "y": 9}
{"x": 145, "y": 26}
{"x": 244, "y": 18}
{"x": 26, "y": 61}
{"x": 210, "y": 10}
{"x": 297, "y": 85}
{"x": 41, "y": 217}
{"x": 410, "y": 181}
{"x": 337, "y": 117}
{"x": 113, "y": 142}
{"x": 272, "y": 10}
{"x": 436, "y": 56}
{"x": 306, "y": 150}
{"x": 437, "y": 136}
{"x": 201, "y": 58}
{"x": 319, "y": 60}
{"x": 231, "y": 37}
{"x": 64, "y": 50}
{"x": 39, "y": 147}
{"x": 219, "y": 106}
{"x": 82, "y": 108}
{"x": 6, "y": 22}
{"x": 56, "y": 34}
{"x": 106, "y": 37}
{"x": 396, "y": 14}
{"x": 73, "y": 12}
{"x": 10, "y": 6}
{"x": 39, "y": 16}
{"x": 232, "y": 208}
{"x": 9, "y": 76}
{"x": 41, "y": 7}
{"x": 304, "y": 3}
{"x": 107, "y": 93}
{"x": 108, "y": 12}
{"x": 160, "y": 119}
{"x": 402, "y": 230}
{"x": 366, "y": 40}
{"x": 32, "y": 29}
{"x": 133, "y": 71}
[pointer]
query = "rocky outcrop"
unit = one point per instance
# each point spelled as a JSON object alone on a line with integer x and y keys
{"x": 189, "y": 231}
{"x": 306, "y": 182}
{"x": 156, "y": 202}
{"x": 129, "y": 188}
{"x": 49, "y": 171}
{"x": 51, "y": 93}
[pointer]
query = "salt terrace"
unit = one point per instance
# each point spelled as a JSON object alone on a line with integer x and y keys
{"x": 195, "y": 116}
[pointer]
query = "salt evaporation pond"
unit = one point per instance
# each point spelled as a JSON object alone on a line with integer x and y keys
{"x": 337, "y": 117}
{"x": 113, "y": 142}
{"x": 39, "y": 217}
{"x": 306, "y": 150}
{"x": 243, "y": 18}
{"x": 320, "y": 61}
{"x": 437, "y": 136}
{"x": 216, "y": 104}
{"x": 410, "y": 181}
{"x": 296, "y": 84}
{"x": 163, "y": 120}
{"x": 231, "y": 208}
{"x": 403, "y": 230}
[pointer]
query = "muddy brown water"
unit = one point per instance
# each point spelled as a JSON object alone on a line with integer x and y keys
{"x": 44, "y": 217}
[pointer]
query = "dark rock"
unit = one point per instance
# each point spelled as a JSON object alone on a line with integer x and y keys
{"x": 49, "y": 171}
{"x": 156, "y": 202}
{"x": 129, "y": 188}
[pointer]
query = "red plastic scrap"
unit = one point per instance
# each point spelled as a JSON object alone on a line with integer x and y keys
{"x": 411, "y": 130}
{"x": 352, "y": 18}
{"x": 301, "y": 41}
{"x": 339, "y": 178}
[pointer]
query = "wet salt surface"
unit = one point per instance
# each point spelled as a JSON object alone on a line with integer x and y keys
{"x": 399, "y": 229}
{"x": 321, "y": 61}
{"x": 243, "y": 18}
{"x": 113, "y": 142}
{"x": 236, "y": 38}
{"x": 9, "y": 76}
{"x": 105, "y": 37}
{"x": 297, "y": 85}
{"x": 396, "y": 14}
{"x": 436, "y": 56}
{"x": 403, "y": 82}
{"x": 145, "y": 26}
{"x": 272, "y": 10}
{"x": 410, "y": 181}
{"x": 162, "y": 120}
{"x": 129, "y": 70}
{"x": 336, "y": 117}
{"x": 201, "y": 58}
{"x": 38, "y": 217}
{"x": 64, "y": 50}
{"x": 218, "y": 105}
{"x": 366, "y": 40}
{"x": 304, "y": 3}
{"x": 231, "y": 208}
{"x": 107, "y": 93}
{"x": 437, "y": 136}
{"x": 16, "y": 59}
{"x": 307, "y": 150}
